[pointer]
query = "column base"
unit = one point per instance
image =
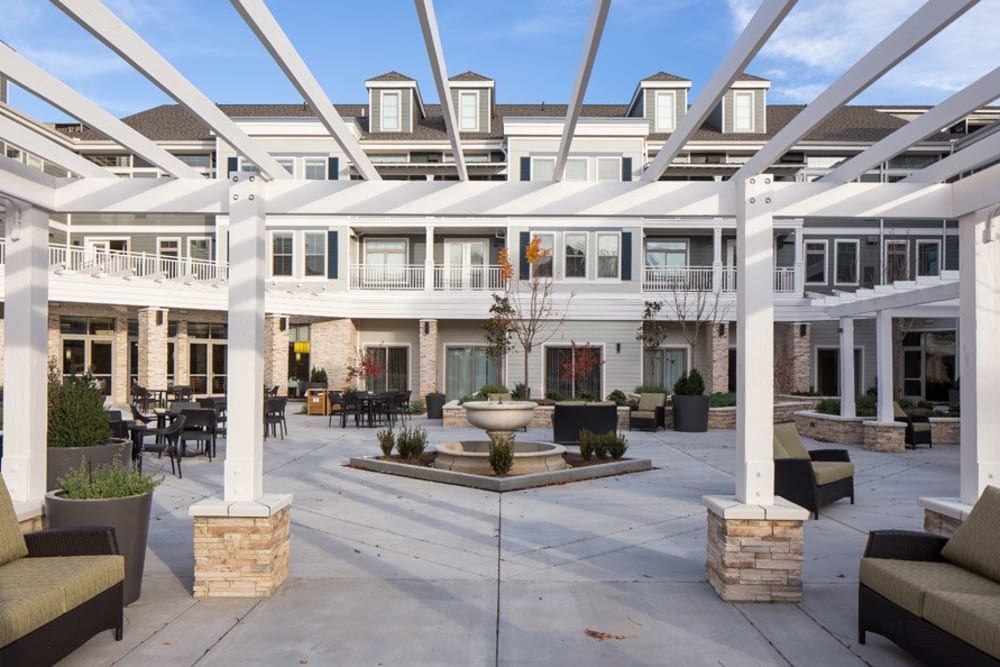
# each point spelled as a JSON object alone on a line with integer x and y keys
{"x": 30, "y": 517}
{"x": 240, "y": 548}
{"x": 755, "y": 551}
{"x": 943, "y": 516}
{"x": 885, "y": 436}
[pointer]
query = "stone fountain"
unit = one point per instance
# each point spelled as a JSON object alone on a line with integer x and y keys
{"x": 499, "y": 418}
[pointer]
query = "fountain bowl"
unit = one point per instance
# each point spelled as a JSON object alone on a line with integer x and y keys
{"x": 472, "y": 456}
{"x": 499, "y": 416}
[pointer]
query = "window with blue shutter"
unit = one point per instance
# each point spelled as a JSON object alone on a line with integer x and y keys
{"x": 626, "y": 169}
{"x": 526, "y": 169}
{"x": 232, "y": 164}
{"x": 525, "y": 268}
{"x": 626, "y": 255}
{"x": 331, "y": 254}
{"x": 333, "y": 169}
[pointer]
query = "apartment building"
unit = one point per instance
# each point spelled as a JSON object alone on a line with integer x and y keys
{"x": 137, "y": 299}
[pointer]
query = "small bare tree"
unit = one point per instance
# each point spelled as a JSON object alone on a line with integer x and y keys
{"x": 693, "y": 311}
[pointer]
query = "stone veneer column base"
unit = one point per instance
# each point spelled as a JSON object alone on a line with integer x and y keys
{"x": 885, "y": 437}
{"x": 943, "y": 516}
{"x": 755, "y": 551}
{"x": 240, "y": 548}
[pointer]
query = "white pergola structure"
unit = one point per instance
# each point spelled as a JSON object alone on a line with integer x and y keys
{"x": 751, "y": 196}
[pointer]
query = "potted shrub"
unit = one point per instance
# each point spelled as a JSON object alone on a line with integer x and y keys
{"x": 690, "y": 404}
{"x": 78, "y": 430}
{"x": 109, "y": 495}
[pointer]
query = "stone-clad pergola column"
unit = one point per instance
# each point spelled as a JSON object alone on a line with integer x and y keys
{"x": 153, "y": 324}
{"x": 979, "y": 328}
{"x": 755, "y": 540}
{"x": 241, "y": 542}
{"x": 26, "y": 298}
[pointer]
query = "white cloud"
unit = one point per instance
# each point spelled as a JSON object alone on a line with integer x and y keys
{"x": 75, "y": 65}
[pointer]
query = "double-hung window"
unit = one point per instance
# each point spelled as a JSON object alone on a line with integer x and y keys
{"x": 609, "y": 169}
{"x": 897, "y": 260}
{"x": 287, "y": 163}
{"x": 608, "y": 255}
{"x": 665, "y": 102}
{"x": 390, "y": 112}
{"x": 576, "y": 170}
{"x": 928, "y": 258}
{"x": 846, "y": 262}
{"x": 315, "y": 169}
{"x": 315, "y": 254}
{"x": 282, "y": 244}
{"x": 468, "y": 111}
{"x": 543, "y": 267}
{"x": 542, "y": 168}
{"x": 816, "y": 263}
{"x": 743, "y": 111}
{"x": 576, "y": 255}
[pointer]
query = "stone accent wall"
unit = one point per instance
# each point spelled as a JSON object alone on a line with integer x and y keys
{"x": 152, "y": 348}
{"x": 119, "y": 372}
{"x": 725, "y": 418}
{"x": 813, "y": 401}
{"x": 755, "y": 560}
{"x": 276, "y": 353}
{"x": 333, "y": 346}
{"x": 55, "y": 341}
{"x": 428, "y": 356}
{"x": 717, "y": 377}
{"x": 940, "y": 524}
{"x": 792, "y": 354}
{"x": 885, "y": 437}
{"x": 240, "y": 556}
{"x": 828, "y": 428}
{"x": 946, "y": 430}
{"x": 2, "y": 358}
{"x": 182, "y": 355}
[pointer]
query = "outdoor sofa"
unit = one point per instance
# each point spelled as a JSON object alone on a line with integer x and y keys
{"x": 936, "y": 597}
{"x": 58, "y": 588}
{"x": 650, "y": 413}
{"x": 810, "y": 478}
{"x": 571, "y": 417}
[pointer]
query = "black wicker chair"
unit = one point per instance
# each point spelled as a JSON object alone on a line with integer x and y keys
{"x": 810, "y": 478}
{"x": 918, "y": 428}
{"x": 569, "y": 418}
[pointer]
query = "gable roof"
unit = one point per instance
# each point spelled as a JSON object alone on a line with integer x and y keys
{"x": 665, "y": 76}
{"x": 750, "y": 77}
{"x": 390, "y": 76}
{"x": 469, "y": 76}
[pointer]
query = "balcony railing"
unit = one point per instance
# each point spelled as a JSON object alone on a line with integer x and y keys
{"x": 119, "y": 263}
{"x": 412, "y": 277}
{"x": 699, "y": 279}
{"x": 380, "y": 277}
{"x": 448, "y": 278}
{"x": 784, "y": 279}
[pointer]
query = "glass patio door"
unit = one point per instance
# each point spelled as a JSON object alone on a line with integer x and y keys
{"x": 464, "y": 263}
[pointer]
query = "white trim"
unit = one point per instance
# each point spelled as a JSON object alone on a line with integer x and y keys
{"x": 806, "y": 240}
{"x": 657, "y": 96}
{"x": 618, "y": 168}
{"x": 568, "y": 345}
{"x": 685, "y": 239}
{"x": 385, "y": 346}
{"x": 890, "y": 242}
{"x": 688, "y": 361}
{"x": 461, "y": 345}
{"x": 302, "y": 246}
{"x": 270, "y": 252}
{"x": 211, "y": 248}
{"x": 586, "y": 255}
{"x": 597, "y": 257}
{"x": 744, "y": 94}
{"x": 474, "y": 94}
{"x": 857, "y": 261}
{"x": 399, "y": 111}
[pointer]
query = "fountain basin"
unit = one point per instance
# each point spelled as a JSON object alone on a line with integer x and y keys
{"x": 499, "y": 416}
{"x": 472, "y": 456}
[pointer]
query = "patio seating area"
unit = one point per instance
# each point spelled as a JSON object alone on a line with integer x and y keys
{"x": 395, "y": 571}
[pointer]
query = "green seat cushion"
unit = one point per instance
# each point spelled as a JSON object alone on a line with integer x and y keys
{"x": 649, "y": 402}
{"x": 34, "y": 591}
{"x": 921, "y": 426}
{"x": 788, "y": 435}
{"x": 832, "y": 471}
{"x": 972, "y": 617}
{"x": 12, "y": 544}
{"x": 907, "y": 582}
{"x": 976, "y": 543}
{"x": 643, "y": 414}
{"x": 779, "y": 449}
{"x": 898, "y": 412}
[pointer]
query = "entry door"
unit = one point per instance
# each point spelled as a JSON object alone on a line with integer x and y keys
{"x": 464, "y": 263}
{"x": 828, "y": 372}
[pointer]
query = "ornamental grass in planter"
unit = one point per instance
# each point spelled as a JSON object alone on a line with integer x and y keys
{"x": 78, "y": 428}
{"x": 110, "y": 495}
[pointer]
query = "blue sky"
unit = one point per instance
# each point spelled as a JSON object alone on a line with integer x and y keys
{"x": 530, "y": 47}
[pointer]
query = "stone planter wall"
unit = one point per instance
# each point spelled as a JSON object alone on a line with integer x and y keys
{"x": 453, "y": 416}
{"x": 946, "y": 430}
{"x": 725, "y": 418}
{"x": 812, "y": 401}
{"x": 890, "y": 437}
{"x": 830, "y": 428}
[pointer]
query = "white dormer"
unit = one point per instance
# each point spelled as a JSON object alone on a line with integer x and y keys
{"x": 662, "y": 99}
{"x": 472, "y": 95}
{"x": 394, "y": 103}
{"x": 743, "y": 109}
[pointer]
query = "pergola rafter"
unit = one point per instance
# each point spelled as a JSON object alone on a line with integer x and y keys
{"x": 28, "y": 140}
{"x": 972, "y": 156}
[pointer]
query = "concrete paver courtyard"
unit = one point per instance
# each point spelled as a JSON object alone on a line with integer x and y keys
{"x": 393, "y": 571}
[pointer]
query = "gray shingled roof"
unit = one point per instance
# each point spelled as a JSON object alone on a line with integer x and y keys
{"x": 750, "y": 77}
{"x": 664, "y": 76}
{"x": 469, "y": 76}
{"x": 391, "y": 76}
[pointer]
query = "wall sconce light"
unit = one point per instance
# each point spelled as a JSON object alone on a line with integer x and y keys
{"x": 282, "y": 323}
{"x": 159, "y": 318}
{"x": 722, "y": 330}
{"x": 618, "y": 348}
{"x": 427, "y": 328}
{"x": 803, "y": 330}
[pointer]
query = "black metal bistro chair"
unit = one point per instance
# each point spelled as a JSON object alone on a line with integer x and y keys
{"x": 199, "y": 426}
{"x": 274, "y": 416}
{"x": 166, "y": 439}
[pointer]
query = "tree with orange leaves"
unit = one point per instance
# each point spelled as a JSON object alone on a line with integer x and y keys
{"x": 529, "y": 316}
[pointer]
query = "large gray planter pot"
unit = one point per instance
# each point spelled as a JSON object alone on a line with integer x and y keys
{"x": 60, "y": 460}
{"x": 129, "y": 516}
{"x": 690, "y": 413}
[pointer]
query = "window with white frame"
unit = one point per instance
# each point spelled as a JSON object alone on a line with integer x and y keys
{"x": 315, "y": 169}
{"x": 282, "y": 253}
{"x": 666, "y": 253}
{"x": 609, "y": 169}
{"x": 665, "y": 102}
{"x": 287, "y": 163}
{"x": 315, "y": 254}
{"x": 897, "y": 260}
{"x": 608, "y": 255}
{"x": 928, "y": 258}
{"x": 743, "y": 111}
{"x": 468, "y": 111}
{"x": 815, "y": 262}
{"x": 542, "y": 168}
{"x": 543, "y": 267}
{"x": 846, "y": 262}
{"x": 576, "y": 170}
{"x": 576, "y": 255}
{"x": 168, "y": 251}
{"x": 385, "y": 252}
{"x": 390, "y": 111}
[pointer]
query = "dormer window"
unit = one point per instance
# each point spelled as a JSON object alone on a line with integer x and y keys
{"x": 390, "y": 111}
{"x": 468, "y": 112}
{"x": 743, "y": 111}
{"x": 665, "y": 107}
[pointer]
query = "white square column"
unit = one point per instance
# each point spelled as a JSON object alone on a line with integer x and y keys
{"x": 847, "y": 367}
{"x": 26, "y": 311}
{"x": 245, "y": 385}
{"x": 979, "y": 308}
{"x": 883, "y": 352}
{"x": 755, "y": 341}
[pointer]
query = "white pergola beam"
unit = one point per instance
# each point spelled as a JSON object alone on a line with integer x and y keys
{"x": 269, "y": 32}
{"x": 760, "y": 28}
{"x": 958, "y": 105}
{"x": 58, "y": 94}
{"x": 19, "y": 181}
{"x": 972, "y": 156}
{"x": 103, "y": 24}
{"x": 435, "y": 54}
{"x": 598, "y": 17}
{"x": 926, "y": 22}
{"x": 975, "y": 192}
{"x": 32, "y": 142}
{"x": 914, "y": 297}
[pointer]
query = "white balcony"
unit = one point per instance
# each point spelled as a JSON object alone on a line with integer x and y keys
{"x": 128, "y": 264}
{"x": 413, "y": 277}
{"x": 700, "y": 279}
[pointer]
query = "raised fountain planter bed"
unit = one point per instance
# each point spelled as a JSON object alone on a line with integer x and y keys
{"x": 831, "y": 428}
{"x": 454, "y": 416}
{"x": 473, "y": 457}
